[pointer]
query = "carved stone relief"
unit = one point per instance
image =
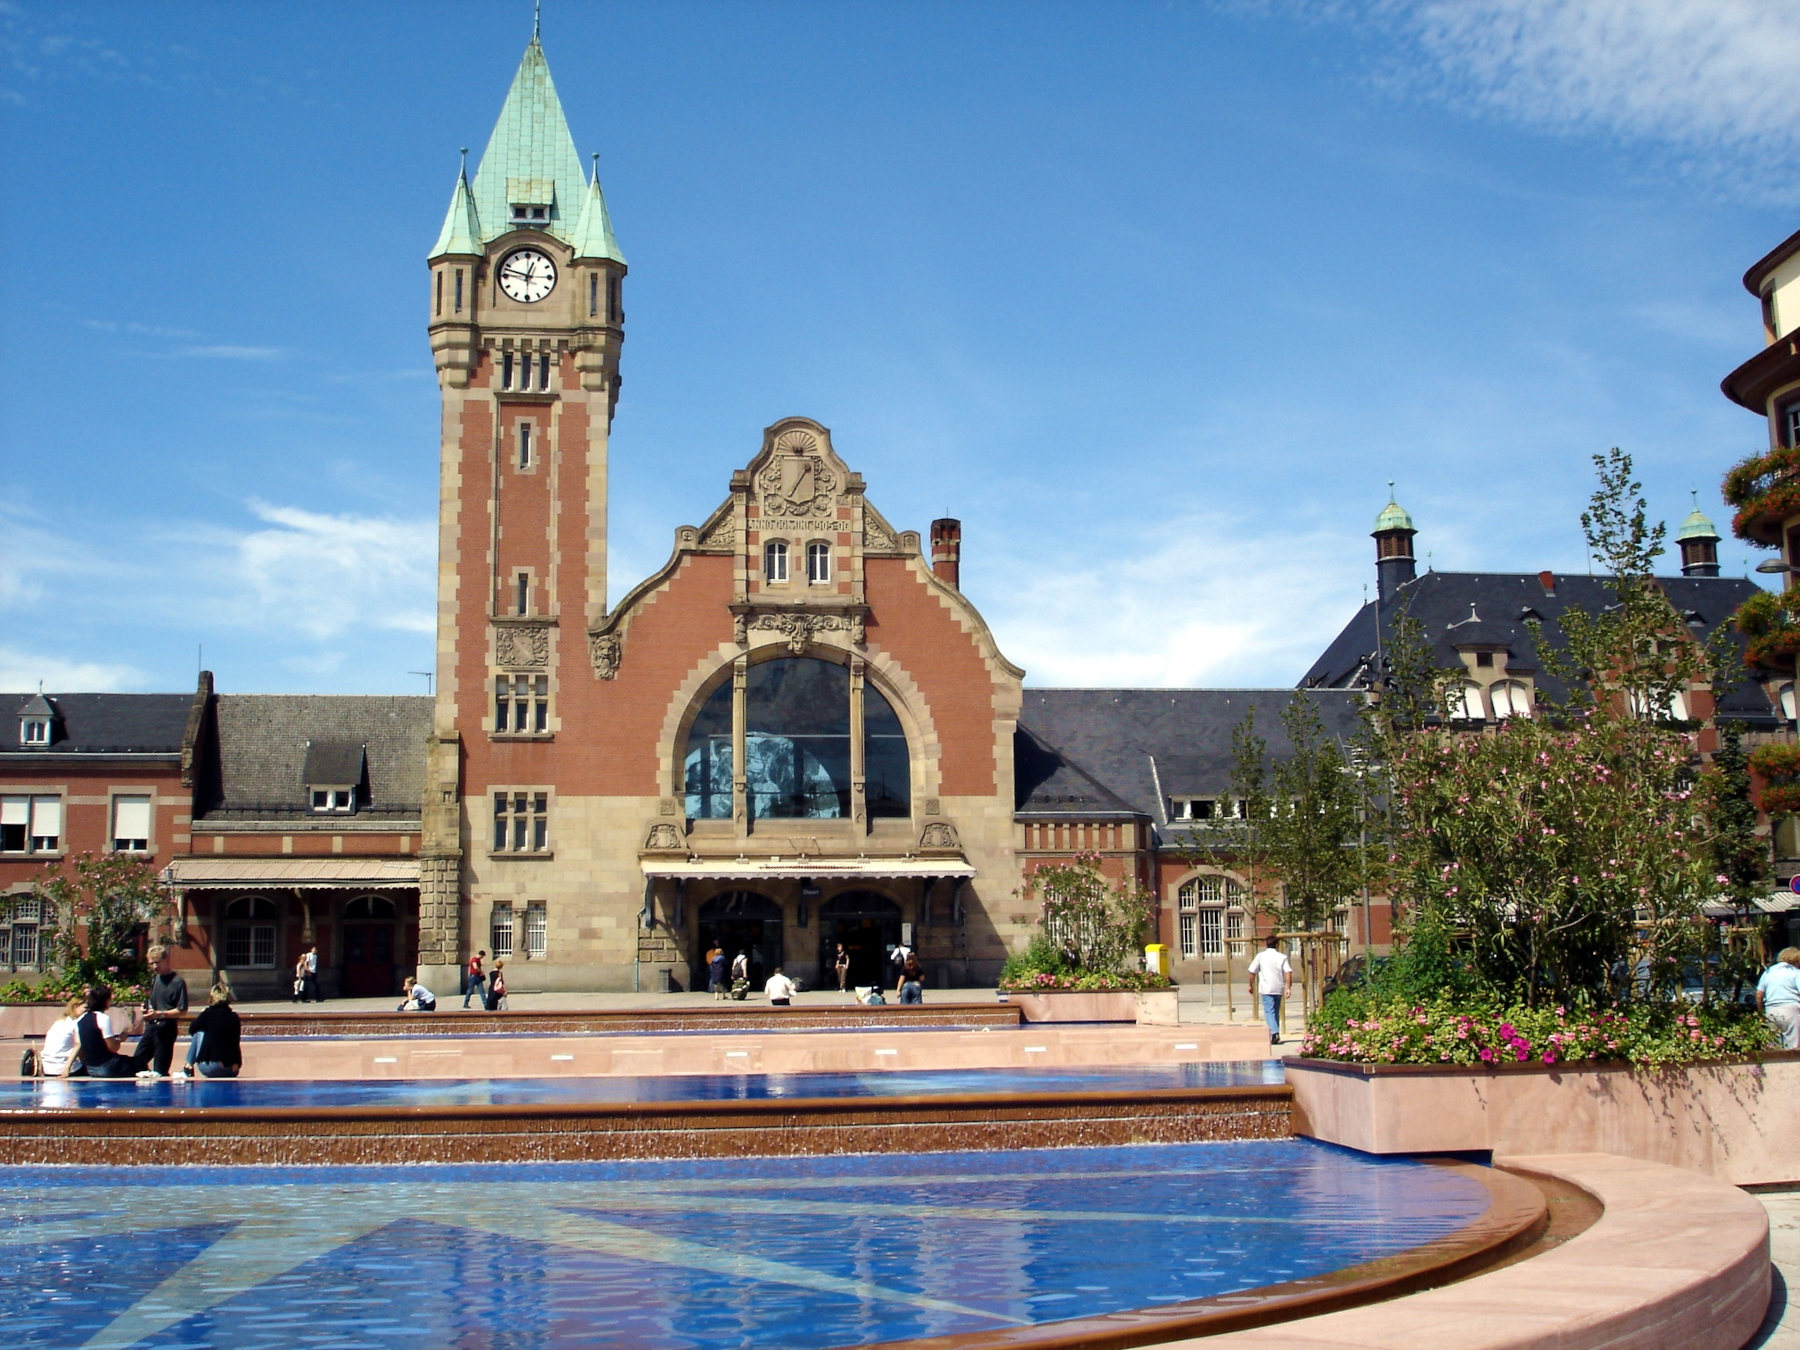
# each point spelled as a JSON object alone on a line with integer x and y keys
{"x": 721, "y": 535}
{"x": 876, "y": 539}
{"x": 801, "y": 629}
{"x": 663, "y": 837}
{"x": 797, "y": 486}
{"x": 939, "y": 834}
{"x": 522, "y": 645}
{"x": 605, "y": 650}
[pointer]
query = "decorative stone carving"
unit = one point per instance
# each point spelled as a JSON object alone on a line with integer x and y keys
{"x": 800, "y": 629}
{"x": 522, "y": 645}
{"x": 663, "y": 837}
{"x": 605, "y": 650}
{"x": 721, "y": 535}
{"x": 740, "y": 630}
{"x": 939, "y": 834}
{"x": 856, "y": 629}
{"x": 797, "y": 487}
{"x": 876, "y": 539}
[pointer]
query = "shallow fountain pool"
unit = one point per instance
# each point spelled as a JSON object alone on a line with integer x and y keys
{"x": 797, "y": 1253}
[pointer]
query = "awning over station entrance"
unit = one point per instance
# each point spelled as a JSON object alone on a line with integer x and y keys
{"x": 803, "y": 869}
{"x": 295, "y": 873}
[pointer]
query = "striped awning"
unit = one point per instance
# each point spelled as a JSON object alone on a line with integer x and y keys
{"x": 802, "y": 869}
{"x": 294, "y": 873}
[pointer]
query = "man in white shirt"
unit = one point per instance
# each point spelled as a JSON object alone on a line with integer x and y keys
{"x": 1271, "y": 977}
{"x": 780, "y": 989}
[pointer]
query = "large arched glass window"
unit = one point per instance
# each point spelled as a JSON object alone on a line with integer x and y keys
{"x": 1510, "y": 698}
{"x": 798, "y": 754}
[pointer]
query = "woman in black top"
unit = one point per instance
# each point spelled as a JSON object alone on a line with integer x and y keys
{"x": 100, "y": 1057}
{"x": 213, "y": 1046}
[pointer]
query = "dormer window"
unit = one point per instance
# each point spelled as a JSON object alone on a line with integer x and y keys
{"x": 341, "y": 800}
{"x": 336, "y": 776}
{"x": 37, "y": 723}
{"x": 34, "y": 731}
{"x": 530, "y": 200}
{"x": 523, "y": 214}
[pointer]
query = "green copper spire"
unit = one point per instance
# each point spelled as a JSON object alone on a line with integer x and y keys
{"x": 1393, "y": 516}
{"x": 1696, "y": 526}
{"x": 462, "y": 229}
{"x": 593, "y": 232}
{"x": 530, "y": 159}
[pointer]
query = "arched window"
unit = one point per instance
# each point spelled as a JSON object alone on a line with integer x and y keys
{"x": 775, "y": 561}
{"x": 1464, "y": 704}
{"x": 1510, "y": 698}
{"x": 1784, "y": 699}
{"x": 797, "y": 747}
{"x": 1209, "y": 910}
{"x": 369, "y": 909}
{"x": 248, "y": 936}
{"x": 1659, "y": 706}
{"x": 818, "y": 563}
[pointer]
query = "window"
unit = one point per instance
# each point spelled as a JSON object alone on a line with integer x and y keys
{"x": 1784, "y": 699}
{"x": 500, "y": 931}
{"x": 522, "y": 593}
{"x": 340, "y": 800}
{"x": 775, "y": 561}
{"x": 594, "y": 295}
{"x": 524, "y": 445}
{"x": 1193, "y": 808}
{"x": 1484, "y": 658}
{"x": 24, "y": 936}
{"x": 437, "y": 304}
{"x": 797, "y": 747}
{"x": 1188, "y": 908}
{"x": 30, "y": 824}
{"x": 506, "y": 370}
{"x": 459, "y": 273}
{"x": 1788, "y": 424}
{"x": 1659, "y": 705}
{"x": 537, "y": 930}
{"x": 1510, "y": 698}
{"x": 131, "y": 824}
{"x": 1464, "y": 704}
{"x": 249, "y": 934}
{"x": 521, "y": 822}
{"x": 524, "y": 213}
{"x": 522, "y": 704}
{"x": 543, "y": 370}
{"x": 34, "y": 731}
{"x": 818, "y": 564}
{"x": 613, "y": 310}
{"x": 1211, "y": 931}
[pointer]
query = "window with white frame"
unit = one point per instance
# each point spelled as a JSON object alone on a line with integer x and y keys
{"x": 334, "y": 801}
{"x": 537, "y": 929}
{"x": 1194, "y": 808}
{"x": 1659, "y": 705}
{"x": 818, "y": 563}
{"x": 1784, "y": 699}
{"x": 30, "y": 824}
{"x": 521, "y": 822}
{"x": 34, "y": 731}
{"x": 1464, "y": 703}
{"x": 1789, "y": 423}
{"x": 775, "y": 561}
{"x": 522, "y": 704}
{"x": 1188, "y": 920}
{"x": 500, "y": 931}
{"x": 247, "y": 934}
{"x": 1510, "y": 698}
{"x": 1201, "y": 909}
{"x": 24, "y": 934}
{"x": 131, "y": 824}
{"x": 524, "y": 445}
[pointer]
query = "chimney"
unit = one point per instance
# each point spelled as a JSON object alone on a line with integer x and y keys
{"x": 1548, "y": 581}
{"x": 946, "y": 551}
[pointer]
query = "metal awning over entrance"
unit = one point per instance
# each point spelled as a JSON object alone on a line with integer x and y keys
{"x": 806, "y": 869}
{"x": 295, "y": 873}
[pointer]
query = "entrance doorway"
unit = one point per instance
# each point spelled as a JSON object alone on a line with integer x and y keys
{"x": 369, "y": 947}
{"x": 739, "y": 921}
{"x": 869, "y": 927}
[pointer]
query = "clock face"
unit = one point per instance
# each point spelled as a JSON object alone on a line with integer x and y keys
{"x": 527, "y": 276}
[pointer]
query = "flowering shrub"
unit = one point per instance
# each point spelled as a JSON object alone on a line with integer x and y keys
{"x": 1771, "y": 637}
{"x": 56, "y": 987}
{"x": 1765, "y": 489}
{"x": 1452, "y": 1031}
{"x": 1081, "y": 982}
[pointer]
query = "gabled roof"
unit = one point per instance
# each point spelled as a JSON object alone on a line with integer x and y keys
{"x": 263, "y": 747}
{"x": 99, "y": 724}
{"x": 1505, "y": 603}
{"x": 1137, "y": 747}
{"x": 530, "y": 152}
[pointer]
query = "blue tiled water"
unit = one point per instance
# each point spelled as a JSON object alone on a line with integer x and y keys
{"x": 789, "y": 1253}
{"x": 63, "y": 1094}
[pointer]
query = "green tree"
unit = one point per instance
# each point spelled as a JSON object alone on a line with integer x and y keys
{"x": 1740, "y": 854}
{"x": 1094, "y": 924}
{"x": 100, "y": 903}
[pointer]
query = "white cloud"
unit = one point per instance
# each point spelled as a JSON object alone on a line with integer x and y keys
{"x": 23, "y": 671}
{"x": 326, "y": 575}
{"x": 1198, "y": 604}
{"x": 224, "y": 351}
{"x": 1701, "y": 78}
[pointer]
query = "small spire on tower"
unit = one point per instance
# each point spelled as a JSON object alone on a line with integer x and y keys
{"x": 537, "y": 18}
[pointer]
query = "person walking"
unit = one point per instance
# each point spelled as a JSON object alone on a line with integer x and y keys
{"x": 477, "y": 979}
{"x": 309, "y": 975}
{"x": 780, "y": 989}
{"x": 1271, "y": 977}
{"x": 496, "y": 994}
{"x": 1778, "y": 996}
{"x": 841, "y": 964}
{"x": 715, "y": 971}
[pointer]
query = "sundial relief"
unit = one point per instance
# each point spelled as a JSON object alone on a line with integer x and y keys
{"x": 797, "y": 483}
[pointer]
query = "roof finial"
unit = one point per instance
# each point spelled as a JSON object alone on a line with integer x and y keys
{"x": 1695, "y": 494}
{"x": 537, "y": 18}
{"x": 463, "y": 168}
{"x": 596, "y": 177}
{"x": 1391, "y": 501}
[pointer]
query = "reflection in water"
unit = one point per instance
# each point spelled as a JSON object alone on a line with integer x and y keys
{"x": 800, "y": 1253}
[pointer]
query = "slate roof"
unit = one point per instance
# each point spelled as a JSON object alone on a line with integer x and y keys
{"x": 262, "y": 752}
{"x": 1504, "y": 602}
{"x": 99, "y": 724}
{"x": 1095, "y": 752}
{"x": 531, "y": 152}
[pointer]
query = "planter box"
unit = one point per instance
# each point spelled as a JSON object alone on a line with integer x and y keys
{"x": 1154, "y": 1007}
{"x": 1736, "y": 1121}
{"x": 27, "y": 1019}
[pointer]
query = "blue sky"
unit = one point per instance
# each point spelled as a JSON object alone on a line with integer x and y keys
{"x": 1155, "y": 297}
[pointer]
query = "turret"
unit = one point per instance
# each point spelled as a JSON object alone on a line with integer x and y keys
{"x": 1699, "y": 543}
{"x": 1393, "y": 535}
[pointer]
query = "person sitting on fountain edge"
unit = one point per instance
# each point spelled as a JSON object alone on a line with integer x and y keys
{"x": 415, "y": 997}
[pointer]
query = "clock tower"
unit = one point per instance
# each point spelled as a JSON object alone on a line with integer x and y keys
{"x": 526, "y": 322}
